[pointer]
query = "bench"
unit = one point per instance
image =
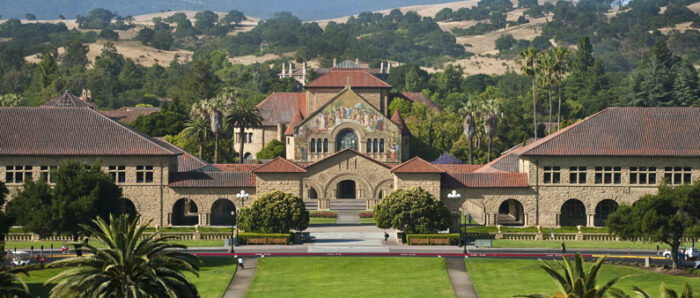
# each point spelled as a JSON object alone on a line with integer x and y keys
{"x": 419, "y": 241}
{"x": 483, "y": 242}
{"x": 440, "y": 241}
{"x": 254, "y": 241}
{"x": 282, "y": 241}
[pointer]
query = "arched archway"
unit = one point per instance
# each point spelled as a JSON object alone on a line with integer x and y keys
{"x": 248, "y": 158}
{"x": 185, "y": 213}
{"x": 312, "y": 193}
{"x": 511, "y": 213}
{"x": 346, "y": 189}
{"x": 573, "y": 213}
{"x": 347, "y": 138}
{"x": 603, "y": 210}
{"x": 221, "y": 212}
{"x": 126, "y": 206}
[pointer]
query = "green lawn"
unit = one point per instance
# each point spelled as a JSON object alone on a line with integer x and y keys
{"x": 580, "y": 244}
{"x": 10, "y": 245}
{"x": 505, "y": 278}
{"x": 321, "y": 220}
{"x": 351, "y": 277}
{"x": 214, "y": 276}
{"x": 369, "y": 220}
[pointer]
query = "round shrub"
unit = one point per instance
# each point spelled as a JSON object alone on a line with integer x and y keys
{"x": 413, "y": 211}
{"x": 276, "y": 212}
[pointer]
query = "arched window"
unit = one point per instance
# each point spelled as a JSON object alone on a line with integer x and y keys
{"x": 318, "y": 145}
{"x": 313, "y": 146}
{"x": 346, "y": 139}
{"x": 369, "y": 145}
{"x": 381, "y": 145}
{"x": 375, "y": 146}
{"x": 325, "y": 145}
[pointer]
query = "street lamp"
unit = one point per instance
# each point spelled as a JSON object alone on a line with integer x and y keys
{"x": 241, "y": 196}
{"x": 233, "y": 222}
{"x": 462, "y": 227}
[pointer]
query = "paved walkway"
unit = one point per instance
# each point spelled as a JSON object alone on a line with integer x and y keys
{"x": 348, "y": 217}
{"x": 241, "y": 281}
{"x": 461, "y": 282}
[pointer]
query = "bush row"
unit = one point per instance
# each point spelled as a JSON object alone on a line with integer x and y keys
{"x": 454, "y": 238}
{"x": 243, "y": 237}
{"x": 366, "y": 214}
{"x": 326, "y": 214}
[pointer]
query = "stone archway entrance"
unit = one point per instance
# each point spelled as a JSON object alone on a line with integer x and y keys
{"x": 126, "y": 206}
{"x": 346, "y": 189}
{"x": 511, "y": 213}
{"x": 221, "y": 213}
{"x": 573, "y": 213}
{"x": 603, "y": 210}
{"x": 185, "y": 213}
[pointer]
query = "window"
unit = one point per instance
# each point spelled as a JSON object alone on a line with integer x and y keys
{"x": 381, "y": 145}
{"x": 118, "y": 173}
{"x": 325, "y": 145}
{"x": 318, "y": 145}
{"x": 18, "y": 174}
{"x": 250, "y": 137}
{"x": 608, "y": 175}
{"x": 144, "y": 174}
{"x": 642, "y": 175}
{"x": 677, "y": 175}
{"x": 577, "y": 175}
{"x": 552, "y": 175}
{"x": 369, "y": 145}
{"x": 375, "y": 146}
{"x": 45, "y": 173}
{"x": 313, "y": 145}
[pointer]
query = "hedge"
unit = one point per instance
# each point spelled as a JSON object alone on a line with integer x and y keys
{"x": 366, "y": 214}
{"x": 454, "y": 238}
{"x": 245, "y": 236}
{"x": 325, "y": 214}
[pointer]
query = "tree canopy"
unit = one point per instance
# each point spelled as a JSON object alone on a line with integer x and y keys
{"x": 275, "y": 212}
{"x": 412, "y": 211}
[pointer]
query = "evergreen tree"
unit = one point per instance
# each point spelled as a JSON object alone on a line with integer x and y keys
{"x": 685, "y": 85}
{"x": 198, "y": 84}
{"x": 76, "y": 54}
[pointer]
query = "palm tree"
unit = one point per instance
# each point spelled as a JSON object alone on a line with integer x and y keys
{"x": 663, "y": 290}
{"x": 242, "y": 114}
{"x": 131, "y": 264}
{"x": 469, "y": 110}
{"x": 215, "y": 108}
{"x": 574, "y": 282}
{"x": 490, "y": 109}
{"x": 11, "y": 285}
{"x": 197, "y": 130}
{"x": 528, "y": 62}
{"x": 561, "y": 56}
{"x": 546, "y": 77}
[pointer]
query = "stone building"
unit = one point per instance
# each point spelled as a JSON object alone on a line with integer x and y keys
{"x": 349, "y": 153}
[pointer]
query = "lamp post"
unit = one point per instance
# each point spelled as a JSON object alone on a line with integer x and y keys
{"x": 462, "y": 234}
{"x": 233, "y": 222}
{"x": 241, "y": 196}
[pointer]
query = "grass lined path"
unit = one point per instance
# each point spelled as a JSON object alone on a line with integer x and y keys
{"x": 351, "y": 277}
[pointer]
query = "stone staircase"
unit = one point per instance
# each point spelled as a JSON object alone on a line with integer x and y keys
{"x": 311, "y": 204}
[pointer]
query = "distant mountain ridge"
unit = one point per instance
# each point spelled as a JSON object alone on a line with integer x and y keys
{"x": 304, "y": 9}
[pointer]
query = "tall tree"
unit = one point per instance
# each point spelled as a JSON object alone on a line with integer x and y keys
{"x": 546, "y": 76}
{"x": 685, "y": 85}
{"x": 490, "y": 111}
{"x": 197, "y": 130}
{"x": 215, "y": 109}
{"x": 528, "y": 62}
{"x": 130, "y": 264}
{"x": 469, "y": 127}
{"x": 76, "y": 54}
{"x": 199, "y": 83}
{"x": 5, "y": 221}
{"x": 561, "y": 62}
{"x": 667, "y": 216}
{"x": 242, "y": 114}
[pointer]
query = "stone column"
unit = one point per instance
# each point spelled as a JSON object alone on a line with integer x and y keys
{"x": 324, "y": 204}
{"x": 590, "y": 220}
{"x": 557, "y": 218}
{"x": 526, "y": 221}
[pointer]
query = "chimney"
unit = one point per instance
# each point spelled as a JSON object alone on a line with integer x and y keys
{"x": 291, "y": 69}
{"x": 381, "y": 67}
{"x": 334, "y": 62}
{"x": 357, "y": 61}
{"x": 284, "y": 69}
{"x": 303, "y": 71}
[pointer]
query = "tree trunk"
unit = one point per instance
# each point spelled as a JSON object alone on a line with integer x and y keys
{"x": 559, "y": 111}
{"x": 674, "y": 255}
{"x": 201, "y": 150}
{"x": 240, "y": 146}
{"x": 77, "y": 246}
{"x": 216, "y": 147}
{"x": 534, "y": 108}
{"x": 490, "y": 142}
{"x": 549, "y": 127}
{"x": 471, "y": 156}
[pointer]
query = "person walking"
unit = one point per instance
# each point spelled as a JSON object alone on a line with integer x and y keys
{"x": 240, "y": 263}
{"x": 563, "y": 248}
{"x": 386, "y": 236}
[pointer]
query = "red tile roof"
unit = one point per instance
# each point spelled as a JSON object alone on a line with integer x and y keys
{"x": 416, "y": 165}
{"x": 279, "y": 165}
{"x": 70, "y": 131}
{"x": 128, "y": 114}
{"x": 236, "y": 167}
{"x": 298, "y": 118}
{"x": 483, "y": 180}
{"x": 280, "y": 107}
{"x": 69, "y": 100}
{"x": 211, "y": 179}
{"x": 337, "y": 78}
{"x": 460, "y": 168}
{"x": 348, "y": 150}
{"x": 396, "y": 118}
{"x": 626, "y": 132}
{"x": 185, "y": 161}
{"x": 418, "y": 97}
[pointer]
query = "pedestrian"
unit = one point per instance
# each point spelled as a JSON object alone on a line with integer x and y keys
{"x": 386, "y": 236}
{"x": 240, "y": 263}
{"x": 657, "y": 249}
{"x": 63, "y": 249}
{"x": 563, "y": 248}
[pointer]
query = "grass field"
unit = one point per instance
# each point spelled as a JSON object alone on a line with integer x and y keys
{"x": 214, "y": 276}
{"x": 369, "y": 220}
{"x": 321, "y": 220}
{"x": 506, "y": 278}
{"x": 10, "y": 245}
{"x": 581, "y": 244}
{"x": 351, "y": 277}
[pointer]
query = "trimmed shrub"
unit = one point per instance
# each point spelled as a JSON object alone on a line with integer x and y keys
{"x": 324, "y": 214}
{"x": 275, "y": 212}
{"x": 412, "y": 211}
{"x": 244, "y": 237}
{"x": 454, "y": 238}
{"x": 366, "y": 214}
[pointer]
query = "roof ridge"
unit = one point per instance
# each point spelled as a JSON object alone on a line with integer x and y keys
{"x": 414, "y": 159}
{"x": 556, "y": 134}
{"x": 129, "y": 129}
{"x": 185, "y": 152}
{"x": 278, "y": 159}
{"x": 351, "y": 150}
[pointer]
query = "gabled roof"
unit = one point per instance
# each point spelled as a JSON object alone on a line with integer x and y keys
{"x": 68, "y": 100}
{"x": 187, "y": 162}
{"x": 483, "y": 180}
{"x": 458, "y": 168}
{"x": 70, "y": 131}
{"x": 280, "y": 107}
{"x": 338, "y": 78}
{"x": 416, "y": 165}
{"x": 236, "y": 167}
{"x": 298, "y": 118}
{"x": 396, "y": 118}
{"x": 279, "y": 165}
{"x": 626, "y": 132}
{"x": 418, "y": 97}
{"x": 211, "y": 179}
{"x": 128, "y": 114}
{"x": 347, "y": 151}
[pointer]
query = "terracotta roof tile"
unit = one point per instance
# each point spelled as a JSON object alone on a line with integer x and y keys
{"x": 128, "y": 114}
{"x": 279, "y": 165}
{"x": 626, "y": 132}
{"x": 236, "y": 167}
{"x": 70, "y": 131}
{"x": 69, "y": 100}
{"x": 298, "y": 118}
{"x": 211, "y": 179}
{"x": 483, "y": 180}
{"x": 458, "y": 168}
{"x": 418, "y": 97}
{"x": 337, "y": 78}
{"x": 416, "y": 165}
{"x": 280, "y": 107}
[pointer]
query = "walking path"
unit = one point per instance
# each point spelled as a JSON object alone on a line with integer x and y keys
{"x": 461, "y": 282}
{"x": 241, "y": 281}
{"x": 348, "y": 217}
